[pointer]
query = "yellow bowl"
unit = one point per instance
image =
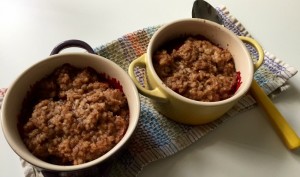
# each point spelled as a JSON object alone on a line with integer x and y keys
{"x": 180, "y": 108}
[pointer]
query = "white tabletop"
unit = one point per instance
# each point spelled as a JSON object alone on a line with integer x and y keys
{"x": 244, "y": 146}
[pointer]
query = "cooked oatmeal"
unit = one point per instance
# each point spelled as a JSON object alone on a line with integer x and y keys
{"x": 197, "y": 69}
{"x": 73, "y": 116}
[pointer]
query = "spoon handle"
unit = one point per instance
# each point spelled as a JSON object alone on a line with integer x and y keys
{"x": 287, "y": 134}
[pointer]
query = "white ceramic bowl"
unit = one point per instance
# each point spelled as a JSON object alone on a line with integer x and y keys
{"x": 13, "y": 99}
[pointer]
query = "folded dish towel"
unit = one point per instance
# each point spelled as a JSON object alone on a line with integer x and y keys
{"x": 156, "y": 136}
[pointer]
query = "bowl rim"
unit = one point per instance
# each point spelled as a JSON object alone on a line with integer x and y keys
{"x": 30, "y": 158}
{"x": 169, "y": 91}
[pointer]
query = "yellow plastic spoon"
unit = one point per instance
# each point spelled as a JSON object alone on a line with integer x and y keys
{"x": 284, "y": 130}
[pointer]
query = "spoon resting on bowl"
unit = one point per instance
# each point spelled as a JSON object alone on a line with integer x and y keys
{"x": 202, "y": 9}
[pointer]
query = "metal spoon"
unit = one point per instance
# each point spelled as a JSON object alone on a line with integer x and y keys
{"x": 204, "y": 10}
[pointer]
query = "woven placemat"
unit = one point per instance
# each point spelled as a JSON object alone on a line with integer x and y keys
{"x": 156, "y": 136}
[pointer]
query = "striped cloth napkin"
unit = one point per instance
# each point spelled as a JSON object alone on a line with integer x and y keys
{"x": 156, "y": 136}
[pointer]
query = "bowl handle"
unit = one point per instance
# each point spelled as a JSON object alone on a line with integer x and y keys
{"x": 258, "y": 48}
{"x": 72, "y": 43}
{"x": 156, "y": 93}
